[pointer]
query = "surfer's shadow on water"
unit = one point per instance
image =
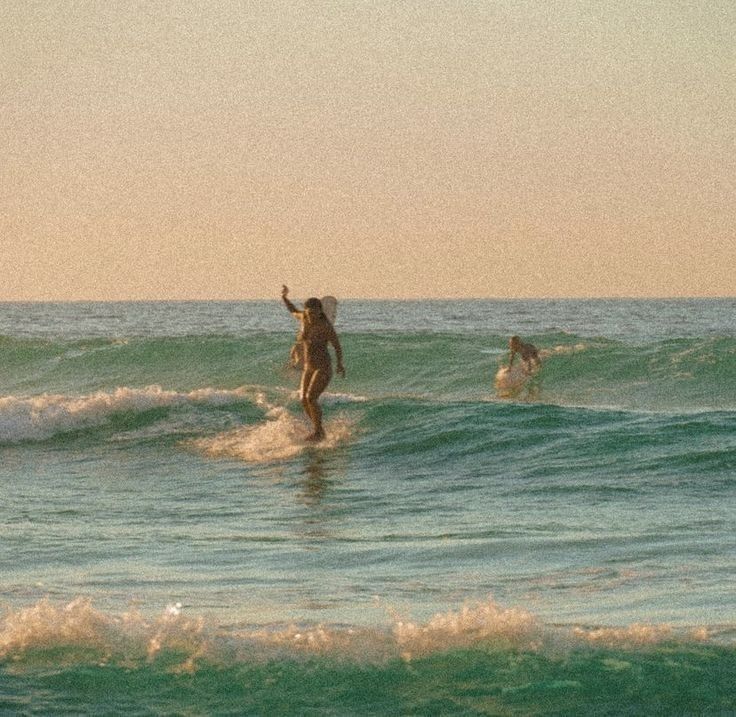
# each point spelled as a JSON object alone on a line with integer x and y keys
{"x": 320, "y": 511}
{"x": 308, "y": 477}
{"x": 320, "y": 472}
{"x": 314, "y": 479}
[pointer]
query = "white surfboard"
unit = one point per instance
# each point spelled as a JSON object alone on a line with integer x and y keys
{"x": 510, "y": 380}
{"x": 329, "y": 306}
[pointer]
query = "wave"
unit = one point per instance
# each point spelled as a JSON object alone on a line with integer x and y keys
{"x": 688, "y": 373}
{"x": 672, "y": 374}
{"x": 41, "y": 417}
{"x": 259, "y": 424}
{"x": 263, "y": 430}
{"x": 479, "y": 659}
{"x": 134, "y": 636}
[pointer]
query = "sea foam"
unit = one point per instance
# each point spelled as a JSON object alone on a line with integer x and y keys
{"x": 43, "y": 416}
{"x": 279, "y": 437}
{"x": 84, "y": 632}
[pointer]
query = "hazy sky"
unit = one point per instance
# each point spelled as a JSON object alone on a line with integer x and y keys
{"x": 378, "y": 148}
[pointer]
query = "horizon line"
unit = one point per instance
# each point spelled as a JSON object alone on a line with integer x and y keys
{"x": 376, "y": 298}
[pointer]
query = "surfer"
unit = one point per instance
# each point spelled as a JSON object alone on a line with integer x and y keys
{"x": 316, "y": 332}
{"x": 528, "y": 352}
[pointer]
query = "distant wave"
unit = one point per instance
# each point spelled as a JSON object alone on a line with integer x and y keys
{"x": 674, "y": 374}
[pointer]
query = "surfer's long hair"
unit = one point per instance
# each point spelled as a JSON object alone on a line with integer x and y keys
{"x": 315, "y": 305}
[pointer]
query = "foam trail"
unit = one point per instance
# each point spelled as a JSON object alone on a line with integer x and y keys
{"x": 563, "y": 350}
{"x": 280, "y": 437}
{"x": 40, "y": 417}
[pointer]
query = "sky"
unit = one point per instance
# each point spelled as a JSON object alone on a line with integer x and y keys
{"x": 368, "y": 149}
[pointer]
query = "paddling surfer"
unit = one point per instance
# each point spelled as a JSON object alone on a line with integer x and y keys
{"x": 315, "y": 334}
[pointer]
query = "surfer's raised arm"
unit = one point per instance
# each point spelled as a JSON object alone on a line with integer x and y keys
{"x": 289, "y": 305}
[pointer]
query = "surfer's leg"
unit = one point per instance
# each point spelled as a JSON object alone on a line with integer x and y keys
{"x": 307, "y": 375}
{"x": 317, "y": 384}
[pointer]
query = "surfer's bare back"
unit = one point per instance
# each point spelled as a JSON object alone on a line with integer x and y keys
{"x": 316, "y": 333}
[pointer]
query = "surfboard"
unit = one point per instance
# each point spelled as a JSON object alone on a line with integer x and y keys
{"x": 329, "y": 306}
{"x": 510, "y": 380}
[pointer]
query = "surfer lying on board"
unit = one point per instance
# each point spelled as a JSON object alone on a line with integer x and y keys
{"x": 316, "y": 332}
{"x": 528, "y": 352}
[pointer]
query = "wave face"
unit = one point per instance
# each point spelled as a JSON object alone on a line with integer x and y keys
{"x": 685, "y": 374}
{"x": 172, "y": 544}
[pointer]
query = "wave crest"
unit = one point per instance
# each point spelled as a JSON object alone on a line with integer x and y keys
{"x": 41, "y": 417}
{"x": 84, "y": 633}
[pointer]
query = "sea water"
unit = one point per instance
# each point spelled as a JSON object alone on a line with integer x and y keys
{"x": 169, "y": 544}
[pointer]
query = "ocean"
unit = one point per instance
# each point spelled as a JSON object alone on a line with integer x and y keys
{"x": 171, "y": 546}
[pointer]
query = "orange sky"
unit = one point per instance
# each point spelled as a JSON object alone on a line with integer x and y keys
{"x": 393, "y": 148}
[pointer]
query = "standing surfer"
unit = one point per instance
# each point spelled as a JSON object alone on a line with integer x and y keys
{"x": 316, "y": 332}
{"x": 528, "y": 352}
{"x": 510, "y": 380}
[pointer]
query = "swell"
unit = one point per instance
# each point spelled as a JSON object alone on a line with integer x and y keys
{"x": 697, "y": 373}
{"x": 101, "y": 364}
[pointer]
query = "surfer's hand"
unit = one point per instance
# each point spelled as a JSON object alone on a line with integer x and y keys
{"x": 284, "y": 291}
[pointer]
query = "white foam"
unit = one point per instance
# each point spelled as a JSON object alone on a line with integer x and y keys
{"x": 131, "y": 638}
{"x": 563, "y": 350}
{"x": 280, "y": 437}
{"x": 484, "y": 622}
{"x": 510, "y": 380}
{"x": 332, "y": 398}
{"x": 40, "y": 417}
{"x": 629, "y": 636}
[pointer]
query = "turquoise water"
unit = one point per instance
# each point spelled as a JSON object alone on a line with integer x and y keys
{"x": 171, "y": 546}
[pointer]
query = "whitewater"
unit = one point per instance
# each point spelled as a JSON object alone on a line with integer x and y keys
{"x": 171, "y": 545}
